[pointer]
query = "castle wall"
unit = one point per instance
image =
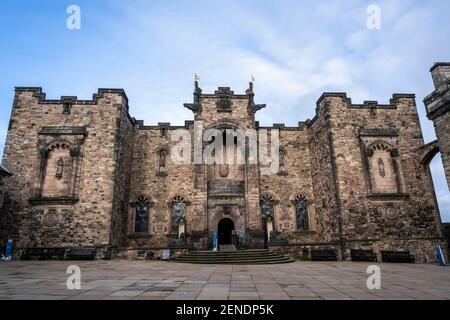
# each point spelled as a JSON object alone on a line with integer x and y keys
{"x": 123, "y": 153}
{"x": 375, "y": 146}
{"x": 293, "y": 180}
{"x": 438, "y": 110}
{"x": 159, "y": 188}
{"x": 323, "y": 177}
{"x": 90, "y": 128}
{"x": 85, "y": 173}
{"x": 442, "y": 127}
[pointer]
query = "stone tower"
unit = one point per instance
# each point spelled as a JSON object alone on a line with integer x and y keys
{"x": 438, "y": 111}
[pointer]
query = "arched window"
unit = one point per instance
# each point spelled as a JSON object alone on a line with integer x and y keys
{"x": 268, "y": 216}
{"x": 301, "y": 213}
{"x": 142, "y": 216}
{"x": 178, "y": 213}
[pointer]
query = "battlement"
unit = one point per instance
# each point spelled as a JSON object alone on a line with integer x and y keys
{"x": 282, "y": 127}
{"x": 162, "y": 125}
{"x": 41, "y": 96}
{"x": 366, "y": 104}
{"x": 440, "y": 73}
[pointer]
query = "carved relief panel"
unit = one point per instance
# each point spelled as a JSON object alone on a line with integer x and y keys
{"x": 381, "y": 162}
{"x": 59, "y": 162}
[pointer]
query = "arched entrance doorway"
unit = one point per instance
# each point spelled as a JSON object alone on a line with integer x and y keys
{"x": 225, "y": 231}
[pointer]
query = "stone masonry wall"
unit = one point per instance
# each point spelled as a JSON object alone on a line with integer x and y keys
{"x": 360, "y": 168}
{"x": 122, "y": 176}
{"x": 159, "y": 189}
{"x": 294, "y": 182}
{"x": 390, "y": 218}
{"x": 323, "y": 179}
{"x": 442, "y": 126}
{"x": 83, "y": 222}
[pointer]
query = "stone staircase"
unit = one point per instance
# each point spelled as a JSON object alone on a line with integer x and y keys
{"x": 227, "y": 247}
{"x": 256, "y": 256}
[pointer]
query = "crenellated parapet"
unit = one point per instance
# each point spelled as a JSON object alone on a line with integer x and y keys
{"x": 41, "y": 96}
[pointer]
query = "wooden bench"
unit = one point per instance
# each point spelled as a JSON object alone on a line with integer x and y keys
{"x": 82, "y": 253}
{"x": 323, "y": 255}
{"x": 43, "y": 253}
{"x": 397, "y": 257}
{"x": 33, "y": 253}
{"x": 363, "y": 255}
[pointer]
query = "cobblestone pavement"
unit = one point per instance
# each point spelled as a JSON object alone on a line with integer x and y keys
{"x": 120, "y": 279}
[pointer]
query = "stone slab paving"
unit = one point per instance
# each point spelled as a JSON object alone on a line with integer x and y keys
{"x": 151, "y": 280}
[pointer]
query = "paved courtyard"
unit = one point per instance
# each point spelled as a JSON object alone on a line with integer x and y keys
{"x": 120, "y": 279}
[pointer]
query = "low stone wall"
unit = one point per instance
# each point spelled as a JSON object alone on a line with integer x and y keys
{"x": 423, "y": 249}
{"x": 148, "y": 253}
{"x": 303, "y": 251}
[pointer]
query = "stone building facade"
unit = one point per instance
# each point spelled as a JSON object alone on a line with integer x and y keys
{"x": 86, "y": 173}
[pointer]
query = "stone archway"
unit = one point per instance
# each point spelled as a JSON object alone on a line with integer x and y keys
{"x": 427, "y": 154}
{"x": 225, "y": 230}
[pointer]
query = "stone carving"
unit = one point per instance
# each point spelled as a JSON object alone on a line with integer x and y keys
{"x": 51, "y": 219}
{"x": 59, "y": 168}
{"x": 373, "y": 111}
{"x": 162, "y": 161}
{"x": 381, "y": 168}
{"x": 224, "y": 103}
{"x": 66, "y": 108}
{"x": 142, "y": 216}
{"x": 391, "y": 213}
{"x": 178, "y": 213}
{"x": 282, "y": 168}
{"x": 224, "y": 170}
{"x": 301, "y": 213}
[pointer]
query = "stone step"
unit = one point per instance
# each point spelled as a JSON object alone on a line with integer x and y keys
{"x": 259, "y": 256}
{"x": 227, "y": 247}
{"x": 242, "y": 261}
{"x": 231, "y": 256}
{"x": 236, "y": 252}
{"x": 226, "y": 253}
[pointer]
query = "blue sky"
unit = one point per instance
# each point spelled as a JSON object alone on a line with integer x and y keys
{"x": 295, "y": 49}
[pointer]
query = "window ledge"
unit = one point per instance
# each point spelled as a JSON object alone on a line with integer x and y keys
{"x": 139, "y": 235}
{"x": 38, "y": 201}
{"x": 304, "y": 233}
{"x": 388, "y": 197}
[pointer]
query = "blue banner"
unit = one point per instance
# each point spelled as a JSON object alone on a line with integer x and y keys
{"x": 440, "y": 255}
{"x": 214, "y": 240}
{"x": 8, "y": 252}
